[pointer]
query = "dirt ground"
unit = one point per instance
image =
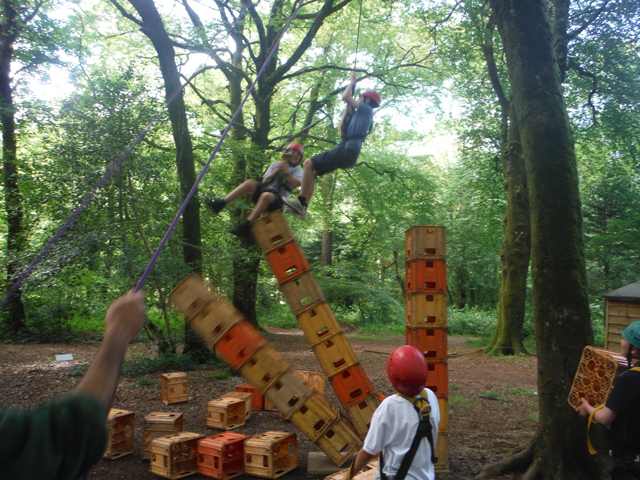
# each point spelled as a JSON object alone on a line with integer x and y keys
{"x": 492, "y": 401}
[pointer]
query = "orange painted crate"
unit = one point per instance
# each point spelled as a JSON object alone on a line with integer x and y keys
{"x": 302, "y": 293}
{"x": 213, "y": 320}
{"x": 596, "y": 374}
{"x": 271, "y": 454}
{"x": 263, "y": 368}
{"x": 426, "y": 242}
{"x": 351, "y": 385}
{"x": 287, "y": 262}
{"x": 257, "y": 400}
{"x": 426, "y": 310}
{"x": 175, "y": 387}
{"x": 121, "y": 428}
{"x": 314, "y": 416}
{"x": 361, "y": 413}
{"x": 159, "y": 424}
{"x": 426, "y": 276}
{"x": 438, "y": 378}
{"x": 432, "y": 342}
{"x": 288, "y": 393}
{"x": 318, "y": 323}
{"x": 314, "y": 379}
{"x": 226, "y": 413}
{"x": 221, "y": 456}
{"x": 271, "y": 231}
{"x": 335, "y": 354}
{"x": 175, "y": 456}
{"x": 190, "y": 295}
{"x": 339, "y": 442}
{"x": 239, "y": 343}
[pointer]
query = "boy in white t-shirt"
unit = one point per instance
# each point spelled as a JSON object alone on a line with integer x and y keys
{"x": 395, "y": 421}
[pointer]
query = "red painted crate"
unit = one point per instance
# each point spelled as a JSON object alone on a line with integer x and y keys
{"x": 257, "y": 400}
{"x": 438, "y": 378}
{"x": 287, "y": 262}
{"x": 318, "y": 323}
{"x": 302, "y": 293}
{"x": 426, "y": 310}
{"x": 264, "y": 367}
{"x": 432, "y": 342}
{"x": 221, "y": 456}
{"x": 425, "y": 242}
{"x": 426, "y": 276}
{"x": 351, "y": 385}
{"x": 271, "y": 231}
{"x": 239, "y": 343}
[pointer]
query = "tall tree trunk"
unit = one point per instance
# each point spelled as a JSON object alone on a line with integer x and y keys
{"x": 10, "y": 27}
{"x": 561, "y": 309}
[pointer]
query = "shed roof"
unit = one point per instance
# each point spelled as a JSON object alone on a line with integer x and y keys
{"x": 629, "y": 293}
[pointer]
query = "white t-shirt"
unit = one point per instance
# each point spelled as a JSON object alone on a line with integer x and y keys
{"x": 393, "y": 427}
{"x": 295, "y": 172}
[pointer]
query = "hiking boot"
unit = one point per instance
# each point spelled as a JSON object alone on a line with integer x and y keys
{"x": 243, "y": 229}
{"x": 295, "y": 208}
{"x": 216, "y": 205}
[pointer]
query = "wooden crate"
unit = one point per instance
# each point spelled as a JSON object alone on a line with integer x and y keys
{"x": 238, "y": 344}
{"x": 159, "y": 424}
{"x": 351, "y": 385}
{"x": 263, "y": 368}
{"x": 190, "y": 295}
{"x": 302, "y": 293}
{"x": 339, "y": 442}
{"x": 213, "y": 320}
{"x": 287, "y": 262}
{"x": 426, "y": 276}
{"x": 596, "y": 374}
{"x": 226, "y": 413}
{"x": 271, "y": 454}
{"x": 121, "y": 426}
{"x": 443, "y": 404}
{"x": 318, "y": 323}
{"x": 426, "y": 242}
{"x": 175, "y": 388}
{"x": 175, "y": 456}
{"x": 287, "y": 394}
{"x": 257, "y": 400}
{"x": 271, "y": 231}
{"x": 432, "y": 342}
{"x": 221, "y": 456}
{"x": 361, "y": 413}
{"x": 315, "y": 380}
{"x": 246, "y": 396}
{"x": 438, "y": 378}
{"x": 368, "y": 472}
{"x": 618, "y": 315}
{"x": 314, "y": 416}
{"x": 426, "y": 310}
{"x": 441, "y": 454}
{"x": 335, "y": 354}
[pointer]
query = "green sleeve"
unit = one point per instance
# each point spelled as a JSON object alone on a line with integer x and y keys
{"x": 59, "y": 441}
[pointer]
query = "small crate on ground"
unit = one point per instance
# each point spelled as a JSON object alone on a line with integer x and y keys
{"x": 597, "y": 372}
{"x": 226, "y": 413}
{"x": 271, "y": 231}
{"x": 246, "y": 396}
{"x": 425, "y": 242}
{"x": 257, "y": 400}
{"x": 351, "y": 385}
{"x": 221, "y": 456}
{"x": 159, "y": 424}
{"x": 271, "y": 454}
{"x": 318, "y": 323}
{"x": 121, "y": 426}
{"x": 361, "y": 413}
{"x": 175, "y": 388}
{"x": 339, "y": 442}
{"x": 175, "y": 456}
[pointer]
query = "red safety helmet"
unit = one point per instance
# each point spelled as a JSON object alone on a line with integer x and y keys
{"x": 407, "y": 370}
{"x": 373, "y": 96}
{"x": 297, "y": 147}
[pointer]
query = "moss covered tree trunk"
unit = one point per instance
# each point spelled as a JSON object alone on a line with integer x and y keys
{"x": 561, "y": 310}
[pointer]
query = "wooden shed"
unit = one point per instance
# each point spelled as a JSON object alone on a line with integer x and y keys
{"x": 621, "y": 307}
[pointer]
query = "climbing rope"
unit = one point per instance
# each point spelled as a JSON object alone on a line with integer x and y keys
{"x": 355, "y": 63}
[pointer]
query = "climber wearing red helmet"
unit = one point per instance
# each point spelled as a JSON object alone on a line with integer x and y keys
{"x": 280, "y": 178}
{"x": 406, "y": 451}
{"x": 355, "y": 125}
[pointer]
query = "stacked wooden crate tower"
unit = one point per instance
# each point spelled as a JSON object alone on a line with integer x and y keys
{"x": 426, "y": 318}
{"x": 316, "y": 319}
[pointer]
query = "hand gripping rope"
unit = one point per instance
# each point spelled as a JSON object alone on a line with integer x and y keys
{"x": 118, "y": 163}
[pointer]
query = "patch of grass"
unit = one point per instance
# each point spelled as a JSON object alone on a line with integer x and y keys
{"x": 520, "y": 391}
{"x": 164, "y": 363}
{"x": 534, "y": 417}
{"x": 146, "y": 382}
{"x": 460, "y": 400}
{"x": 491, "y": 395}
{"x": 365, "y": 337}
{"x": 221, "y": 375}
{"x": 521, "y": 358}
{"x": 454, "y": 386}
{"x": 476, "y": 342}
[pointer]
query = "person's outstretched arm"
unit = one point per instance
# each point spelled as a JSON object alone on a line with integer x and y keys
{"x": 123, "y": 321}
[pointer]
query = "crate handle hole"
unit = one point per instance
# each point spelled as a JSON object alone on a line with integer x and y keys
{"x": 322, "y": 332}
{"x": 430, "y": 319}
{"x": 429, "y": 263}
{"x": 356, "y": 393}
{"x": 312, "y": 312}
{"x": 306, "y": 301}
{"x": 430, "y": 354}
{"x": 346, "y": 374}
{"x": 430, "y": 251}
{"x": 319, "y": 424}
{"x": 291, "y": 270}
{"x": 340, "y": 362}
{"x": 428, "y": 298}
{"x": 293, "y": 400}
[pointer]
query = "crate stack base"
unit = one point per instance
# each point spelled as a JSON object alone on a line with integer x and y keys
{"x": 175, "y": 456}
{"x": 159, "y": 424}
{"x": 221, "y": 456}
{"x": 271, "y": 454}
{"x": 308, "y": 304}
{"x": 426, "y": 318}
{"x": 121, "y": 425}
{"x": 241, "y": 346}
